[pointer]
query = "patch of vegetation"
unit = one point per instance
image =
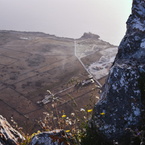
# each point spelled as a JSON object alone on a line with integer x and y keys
{"x": 35, "y": 60}
{"x": 77, "y": 127}
{"x": 75, "y": 124}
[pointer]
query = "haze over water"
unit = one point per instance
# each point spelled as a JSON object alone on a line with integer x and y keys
{"x": 67, "y": 18}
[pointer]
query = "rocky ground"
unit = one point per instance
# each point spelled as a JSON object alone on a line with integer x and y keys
{"x": 34, "y": 66}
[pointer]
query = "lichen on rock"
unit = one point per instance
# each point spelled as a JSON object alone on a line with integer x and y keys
{"x": 121, "y": 99}
{"x": 54, "y": 137}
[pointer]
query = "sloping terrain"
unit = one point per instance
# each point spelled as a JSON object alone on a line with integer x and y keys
{"x": 39, "y": 70}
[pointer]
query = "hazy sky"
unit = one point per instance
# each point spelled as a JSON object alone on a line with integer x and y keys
{"x": 67, "y": 18}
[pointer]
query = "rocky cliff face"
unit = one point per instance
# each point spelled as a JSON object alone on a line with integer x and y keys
{"x": 8, "y": 135}
{"x": 122, "y": 101}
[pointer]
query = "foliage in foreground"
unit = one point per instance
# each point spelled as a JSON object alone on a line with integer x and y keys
{"x": 76, "y": 126}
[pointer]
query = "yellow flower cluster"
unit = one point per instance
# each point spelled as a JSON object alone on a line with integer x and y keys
{"x": 90, "y": 110}
{"x": 102, "y": 113}
{"x": 63, "y": 116}
{"x": 67, "y": 131}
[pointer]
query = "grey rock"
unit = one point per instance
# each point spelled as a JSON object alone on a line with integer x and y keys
{"x": 55, "y": 137}
{"x": 121, "y": 104}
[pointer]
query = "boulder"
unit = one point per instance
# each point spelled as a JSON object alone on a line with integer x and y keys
{"x": 8, "y": 135}
{"x": 121, "y": 104}
{"x": 55, "y": 137}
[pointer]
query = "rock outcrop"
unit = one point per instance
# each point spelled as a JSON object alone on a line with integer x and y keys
{"x": 90, "y": 36}
{"x": 122, "y": 102}
{"x": 55, "y": 137}
{"x": 8, "y": 135}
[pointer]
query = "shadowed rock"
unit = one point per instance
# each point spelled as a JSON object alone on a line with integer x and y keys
{"x": 55, "y": 137}
{"x": 8, "y": 135}
{"x": 122, "y": 101}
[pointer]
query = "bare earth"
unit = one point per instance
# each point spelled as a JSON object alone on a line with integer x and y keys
{"x": 32, "y": 63}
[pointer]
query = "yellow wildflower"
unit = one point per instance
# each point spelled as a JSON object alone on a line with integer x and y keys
{"x": 90, "y": 110}
{"x": 67, "y": 131}
{"x": 102, "y": 113}
{"x": 63, "y": 116}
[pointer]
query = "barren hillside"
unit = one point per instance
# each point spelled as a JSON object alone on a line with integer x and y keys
{"x": 39, "y": 70}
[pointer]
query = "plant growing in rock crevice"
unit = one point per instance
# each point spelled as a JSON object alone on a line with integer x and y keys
{"x": 75, "y": 124}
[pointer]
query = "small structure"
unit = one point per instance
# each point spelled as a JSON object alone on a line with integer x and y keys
{"x": 47, "y": 99}
{"x": 87, "y": 82}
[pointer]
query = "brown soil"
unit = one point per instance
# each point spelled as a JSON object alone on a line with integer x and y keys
{"x": 32, "y": 63}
